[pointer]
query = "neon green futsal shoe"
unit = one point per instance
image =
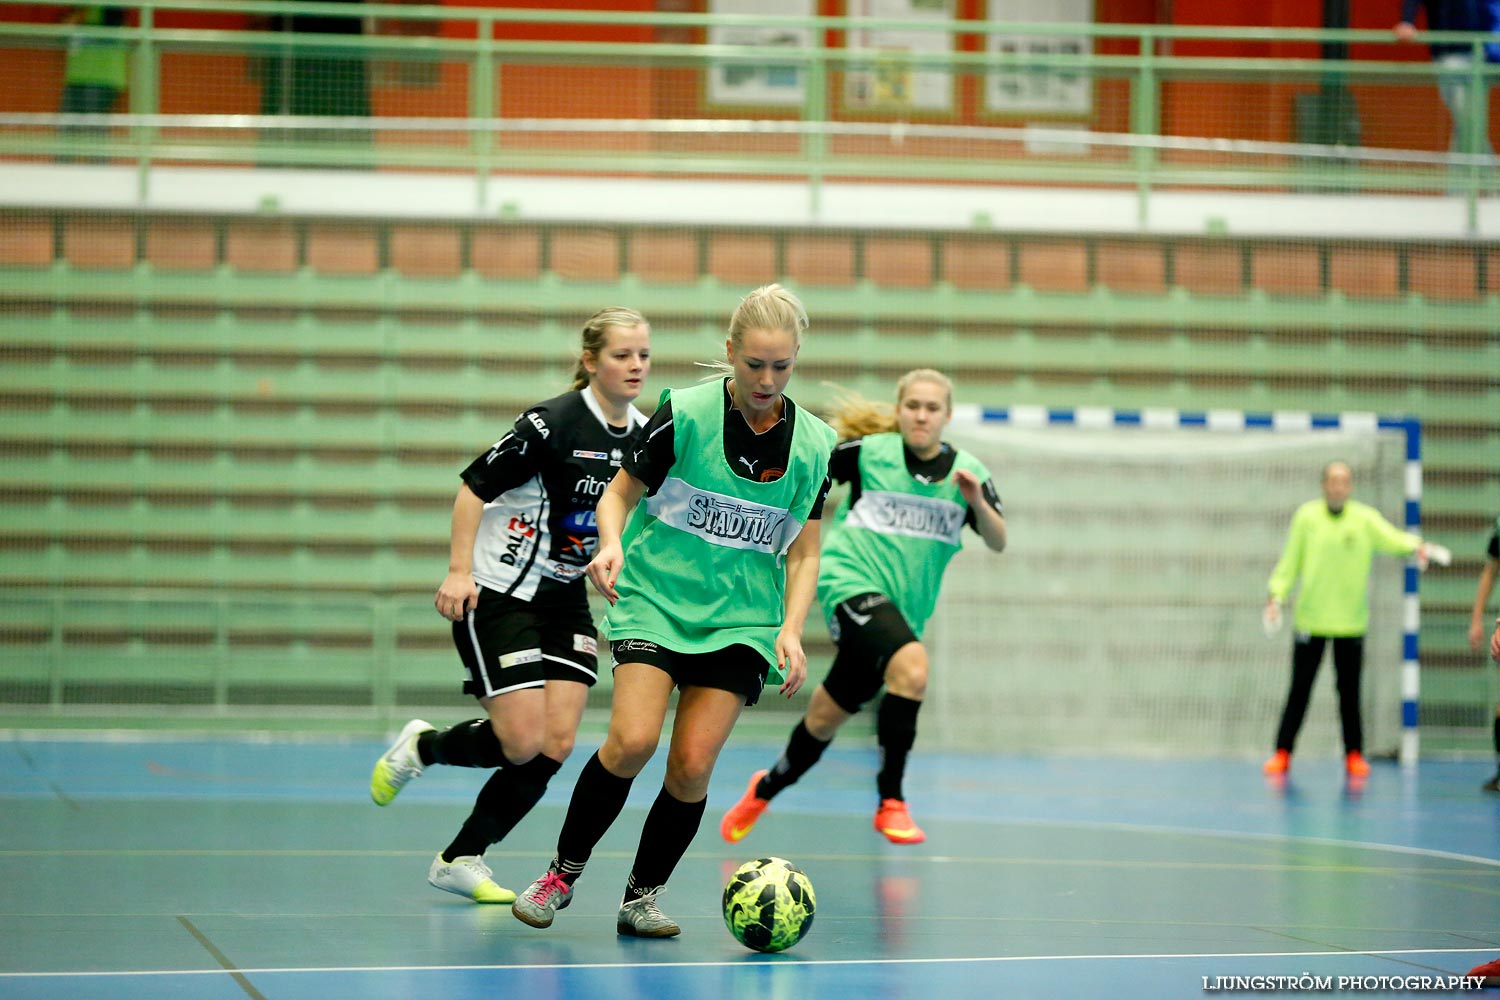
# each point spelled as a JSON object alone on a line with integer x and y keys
{"x": 399, "y": 764}
{"x": 468, "y": 877}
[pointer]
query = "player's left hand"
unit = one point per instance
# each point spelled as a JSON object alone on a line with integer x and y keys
{"x": 968, "y": 485}
{"x": 604, "y": 569}
{"x": 792, "y": 661}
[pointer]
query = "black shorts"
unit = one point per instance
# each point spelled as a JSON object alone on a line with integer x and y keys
{"x": 739, "y": 668}
{"x": 508, "y": 644}
{"x": 867, "y": 629}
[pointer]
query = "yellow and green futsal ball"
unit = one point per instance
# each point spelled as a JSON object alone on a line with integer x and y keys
{"x": 769, "y": 904}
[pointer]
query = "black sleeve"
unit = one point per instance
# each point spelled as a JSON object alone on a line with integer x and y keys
{"x": 843, "y": 464}
{"x": 515, "y": 458}
{"x": 653, "y": 450}
{"x": 987, "y": 491}
{"x": 816, "y": 514}
{"x": 1494, "y": 550}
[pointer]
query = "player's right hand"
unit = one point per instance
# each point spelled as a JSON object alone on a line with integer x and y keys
{"x": 604, "y": 569}
{"x": 1432, "y": 552}
{"x": 1270, "y": 618}
{"x": 456, "y": 597}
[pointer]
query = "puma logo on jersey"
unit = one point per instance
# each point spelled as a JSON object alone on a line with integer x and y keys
{"x": 748, "y": 464}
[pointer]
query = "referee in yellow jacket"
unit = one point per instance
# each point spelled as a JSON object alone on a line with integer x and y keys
{"x": 1329, "y": 549}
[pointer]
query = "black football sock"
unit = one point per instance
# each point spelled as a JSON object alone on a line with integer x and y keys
{"x": 509, "y": 795}
{"x": 670, "y": 827}
{"x": 468, "y": 744}
{"x": 597, "y": 800}
{"x": 802, "y": 751}
{"x": 896, "y": 731}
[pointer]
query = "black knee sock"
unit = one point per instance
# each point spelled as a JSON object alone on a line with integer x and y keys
{"x": 468, "y": 744}
{"x": 670, "y": 828}
{"x": 801, "y": 753}
{"x": 896, "y": 731}
{"x": 597, "y": 800}
{"x": 1497, "y": 744}
{"x": 505, "y": 798}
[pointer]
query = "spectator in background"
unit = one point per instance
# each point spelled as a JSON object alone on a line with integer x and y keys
{"x": 95, "y": 73}
{"x": 311, "y": 80}
{"x": 1455, "y": 85}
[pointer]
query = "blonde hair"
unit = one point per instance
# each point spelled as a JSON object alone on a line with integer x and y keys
{"x": 769, "y": 307}
{"x": 596, "y": 334}
{"x": 853, "y": 416}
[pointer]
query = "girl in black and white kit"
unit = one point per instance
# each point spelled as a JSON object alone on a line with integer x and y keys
{"x": 523, "y": 532}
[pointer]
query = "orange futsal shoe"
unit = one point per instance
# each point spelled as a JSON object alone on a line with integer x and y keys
{"x": 1356, "y": 765}
{"x": 741, "y": 817}
{"x": 1489, "y": 973}
{"x": 1278, "y": 762}
{"x": 894, "y": 821}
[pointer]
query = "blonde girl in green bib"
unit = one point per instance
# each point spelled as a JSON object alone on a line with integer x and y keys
{"x": 708, "y": 556}
{"x": 910, "y": 496}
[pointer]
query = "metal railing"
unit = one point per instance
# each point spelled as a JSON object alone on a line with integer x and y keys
{"x": 815, "y": 134}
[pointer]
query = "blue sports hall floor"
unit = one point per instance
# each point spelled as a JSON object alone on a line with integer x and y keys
{"x": 229, "y": 869}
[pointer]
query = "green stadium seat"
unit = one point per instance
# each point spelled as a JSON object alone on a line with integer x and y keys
{"x": 819, "y": 259}
{"x": 1209, "y": 268}
{"x": 26, "y": 242}
{"x": 513, "y": 253}
{"x": 1131, "y": 267}
{"x": 232, "y": 444}
{"x": 182, "y": 245}
{"x": 1364, "y": 272}
{"x": 99, "y": 242}
{"x": 585, "y": 254}
{"x": 664, "y": 257}
{"x": 1287, "y": 269}
{"x": 1054, "y": 265}
{"x": 1444, "y": 273}
{"x": 343, "y": 248}
{"x": 426, "y": 251}
{"x": 977, "y": 264}
{"x": 899, "y": 261}
{"x": 742, "y": 259}
{"x": 261, "y": 246}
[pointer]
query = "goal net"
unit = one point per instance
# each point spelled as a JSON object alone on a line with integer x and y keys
{"x": 1124, "y": 615}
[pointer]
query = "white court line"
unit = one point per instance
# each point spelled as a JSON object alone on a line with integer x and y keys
{"x": 1425, "y": 852}
{"x": 750, "y": 960}
{"x": 1189, "y": 831}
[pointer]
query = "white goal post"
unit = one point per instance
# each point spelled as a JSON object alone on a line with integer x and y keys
{"x": 1124, "y": 616}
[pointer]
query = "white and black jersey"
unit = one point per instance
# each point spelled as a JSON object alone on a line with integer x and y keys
{"x": 843, "y": 467}
{"x": 540, "y": 483}
{"x": 759, "y": 457}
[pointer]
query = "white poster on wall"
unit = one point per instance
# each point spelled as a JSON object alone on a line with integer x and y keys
{"x": 782, "y": 84}
{"x": 891, "y": 81}
{"x": 1038, "y": 90}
